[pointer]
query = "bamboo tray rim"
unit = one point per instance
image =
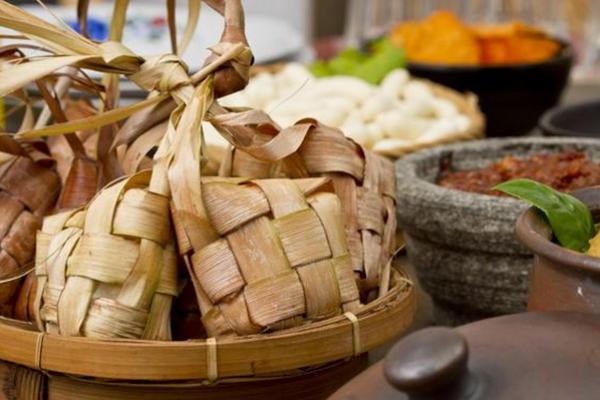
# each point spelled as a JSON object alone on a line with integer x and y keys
{"x": 245, "y": 357}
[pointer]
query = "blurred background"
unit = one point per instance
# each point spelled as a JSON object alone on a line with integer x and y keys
{"x": 326, "y": 25}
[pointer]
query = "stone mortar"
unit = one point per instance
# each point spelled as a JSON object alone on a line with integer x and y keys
{"x": 463, "y": 245}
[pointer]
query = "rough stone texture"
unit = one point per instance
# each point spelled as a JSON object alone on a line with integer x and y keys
{"x": 463, "y": 245}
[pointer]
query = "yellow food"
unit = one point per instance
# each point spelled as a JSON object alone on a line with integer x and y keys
{"x": 440, "y": 38}
{"x": 594, "y": 249}
{"x": 443, "y": 39}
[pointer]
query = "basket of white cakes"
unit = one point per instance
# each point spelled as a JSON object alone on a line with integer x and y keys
{"x": 399, "y": 115}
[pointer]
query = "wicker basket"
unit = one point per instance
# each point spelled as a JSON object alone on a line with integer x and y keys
{"x": 234, "y": 364}
{"x": 315, "y": 383}
{"x": 263, "y": 254}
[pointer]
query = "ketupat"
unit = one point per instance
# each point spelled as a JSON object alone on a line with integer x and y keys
{"x": 83, "y": 159}
{"x": 363, "y": 181}
{"x": 109, "y": 270}
{"x": 216, "y": 218}
{"x": 281, "y": 258}
{"x": 93, "y": 304}
{"x": 28, "y": 190}
{"x": 97, "y": 299}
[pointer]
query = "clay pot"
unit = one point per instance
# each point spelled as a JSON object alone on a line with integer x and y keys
{"x": 544, "y": 355}
{"x": 463, "y": 245}
{"x": 562, "y": 279}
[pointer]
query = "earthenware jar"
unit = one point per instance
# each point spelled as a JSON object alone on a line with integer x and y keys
{"x": 544, "y": 355}
{"x": 562, "y": 279}
{"x": 463, "y": 245}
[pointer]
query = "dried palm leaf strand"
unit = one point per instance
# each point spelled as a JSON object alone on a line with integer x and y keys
{"x": 81, "y": 182}
{"x": 230, "y": 75}
{"x": 363, "y": 181}
{"x": 88, "y": 168}
{"x": 59, "y": 148}
{"x": 163, "y": 74}
{"x": 281, "y": 259}
{"x": 109, "y": 270}
{"x": 184, "y": 135}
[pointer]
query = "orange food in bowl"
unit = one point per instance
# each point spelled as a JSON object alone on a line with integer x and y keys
{"x": 513, "y": 43}
{"x": 443, "y": 39}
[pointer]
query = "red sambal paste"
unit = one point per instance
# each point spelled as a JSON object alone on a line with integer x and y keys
{"x": 564, "y": 171}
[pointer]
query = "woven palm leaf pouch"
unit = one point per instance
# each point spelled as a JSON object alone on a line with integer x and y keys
{"x": 28, "y": 190}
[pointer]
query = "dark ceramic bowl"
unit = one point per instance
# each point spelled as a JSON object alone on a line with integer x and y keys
{"x": 512, "y": 97}
{"x": 576, "y": 120}
{"x": 463, "y": 245}
{"x": 562, "y": 279}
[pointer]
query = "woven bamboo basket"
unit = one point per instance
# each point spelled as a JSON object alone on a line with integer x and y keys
{"x": 259, "y": 365}
{"x": 270, "y": 260}
{"x": 25, "y": 384}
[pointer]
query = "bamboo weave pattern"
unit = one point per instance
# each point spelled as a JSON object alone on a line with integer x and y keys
{"x": 363, "y": 181}
{"x": 281, "y": 258}
{"x": 109, "y": 270}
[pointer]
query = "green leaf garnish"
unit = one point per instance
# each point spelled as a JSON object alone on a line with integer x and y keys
{"x": 570, "y": 219}
{"x": 386, "y": 57}
{"x": 346, "y": 61}
{"x": 371, "y": 67}
{"x": 320, "y": 69}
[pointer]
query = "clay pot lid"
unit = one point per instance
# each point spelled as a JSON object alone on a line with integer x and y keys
{"x": 549, "y": 355}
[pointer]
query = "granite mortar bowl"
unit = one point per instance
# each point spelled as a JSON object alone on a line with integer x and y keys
{"x": 463, "y": 245}
{"x": 561, "y": 279}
